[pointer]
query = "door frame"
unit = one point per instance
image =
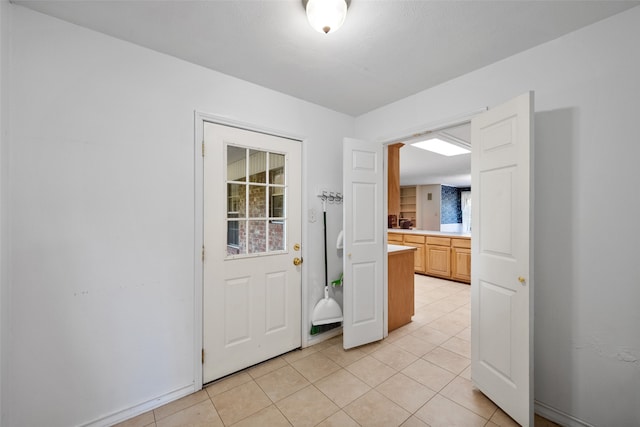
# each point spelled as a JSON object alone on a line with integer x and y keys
{"x": 429, "y": 127}
{"x": 417, "y": 131}
{"x": 406, "y": 134}
{"x": 198, "y": 229}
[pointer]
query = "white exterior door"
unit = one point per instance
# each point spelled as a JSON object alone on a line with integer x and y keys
{"x": 252, "y": 230}
{"x": 502, "y": 252}
{"x": 364, "y": 243}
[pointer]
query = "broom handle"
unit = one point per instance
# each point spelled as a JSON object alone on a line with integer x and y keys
{"x": 326, "y": 274}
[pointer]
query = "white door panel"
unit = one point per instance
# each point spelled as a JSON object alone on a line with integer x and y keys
{"x": 364, "y": 243}
{"x": 237, "y": 310}
{"x": 277, "y": 300}
{"x": 364, "y": 292}
{"x": 252, "y": 220}
{"x": 497, "y": 185}
{"x": 501, "y": 283}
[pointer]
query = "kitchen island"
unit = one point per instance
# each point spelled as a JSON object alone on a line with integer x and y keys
{"x": 440, "y": 254}
{"x": 400, "y": 303}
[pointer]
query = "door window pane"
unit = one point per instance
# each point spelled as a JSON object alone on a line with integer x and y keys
{"x": 257, "y": 201}
{"x": 276, "y": 236}
{"x": 236, "y": 163}
{"x": 257, "y": 236}
{"x": 236, "y": 237}
{"x": 276, "y": 202}
{"x": 257, "y": 166}
{"x": 276, "y": 219}
{"x": 236, "y": 200}
{"x": 276, "y": 168}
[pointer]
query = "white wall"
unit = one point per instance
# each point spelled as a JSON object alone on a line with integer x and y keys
{"x": 102, "y": 201}
{"x": 451, "y": 228}
{"x": 4, "y": 112}
{"x": 587, "y": 286}
{"x": 430, "y": 209}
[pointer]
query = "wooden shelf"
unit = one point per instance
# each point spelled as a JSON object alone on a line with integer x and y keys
{"x": 408, "y": 203}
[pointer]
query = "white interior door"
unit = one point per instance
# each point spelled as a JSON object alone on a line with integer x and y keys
{"x": 502, "y": 251}
{"x": 252, "y": 230}
{"x": 364, "y": 243}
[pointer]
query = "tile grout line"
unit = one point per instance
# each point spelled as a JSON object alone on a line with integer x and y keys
{"x": 273, "y": 403}
{"x": 341, "y": 367}
{"x": 214, "y": 407}
{"x": 182, "y": 409}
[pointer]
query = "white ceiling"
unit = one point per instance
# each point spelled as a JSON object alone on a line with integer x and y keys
{"x": 385, "y": 51}
{"x": 418, "y": 166}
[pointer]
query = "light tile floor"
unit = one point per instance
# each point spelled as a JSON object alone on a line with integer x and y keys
{"x": 418, "y": 376}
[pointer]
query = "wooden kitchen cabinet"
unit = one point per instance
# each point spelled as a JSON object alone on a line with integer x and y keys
{"x": 395, "y": 238}
{"x": 438, "y": 261}
{"x": 461, "y": 264}
{"x": 461, "y": 260}
{"x": 416, "y": 241}
{"x": 401, "y": 304}
{"x": 438, "y": 254}
{"x": 418, "y": 257}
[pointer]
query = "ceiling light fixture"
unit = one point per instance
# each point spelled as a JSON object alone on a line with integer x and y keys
{"x": 439, "y": 146}
{"x": 326, "y": 16}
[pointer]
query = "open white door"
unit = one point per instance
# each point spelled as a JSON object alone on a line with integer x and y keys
{"x": 364, "y": 243}
{"x": 502, "y": 256}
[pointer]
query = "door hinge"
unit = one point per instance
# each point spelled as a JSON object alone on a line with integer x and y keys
{"x": 203, "y": 356}
{"x": 202, "y": 148}
{"x": 202, "y": 253}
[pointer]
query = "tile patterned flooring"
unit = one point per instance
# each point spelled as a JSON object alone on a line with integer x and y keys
{"x": 418, "y": 376}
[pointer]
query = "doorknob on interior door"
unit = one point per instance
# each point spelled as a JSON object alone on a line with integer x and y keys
{"x": 521, "y": 279}
{"x": 297, "y": 261}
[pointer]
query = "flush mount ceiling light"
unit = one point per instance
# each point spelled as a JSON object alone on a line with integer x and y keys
{"x": 439, "y": 146}
{"x": 326, "y": 16}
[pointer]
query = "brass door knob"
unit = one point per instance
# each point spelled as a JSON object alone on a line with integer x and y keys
{"x": 297, "y": 261}
{"x": 521, "y": 279}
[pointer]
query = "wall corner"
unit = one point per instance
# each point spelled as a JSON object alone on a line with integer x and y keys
{"x": 5, "y": 10}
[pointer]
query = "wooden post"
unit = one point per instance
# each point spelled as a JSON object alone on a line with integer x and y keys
{"x": 393, "y": 183}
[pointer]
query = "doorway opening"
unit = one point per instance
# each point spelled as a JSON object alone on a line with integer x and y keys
{"x": 425, "y": 212}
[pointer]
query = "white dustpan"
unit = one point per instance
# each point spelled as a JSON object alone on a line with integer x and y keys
{"x": 326, "y": 311}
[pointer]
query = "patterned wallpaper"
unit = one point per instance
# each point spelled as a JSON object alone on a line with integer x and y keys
{"x": 450, "y": 212}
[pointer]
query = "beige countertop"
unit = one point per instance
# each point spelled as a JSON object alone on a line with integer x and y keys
{"x": 428, "y": 232}
{"x": 399, "y": 248}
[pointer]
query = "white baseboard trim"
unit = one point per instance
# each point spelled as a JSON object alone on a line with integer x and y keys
{"x": 557, "y": 416}
{"x": 141, "y": 408}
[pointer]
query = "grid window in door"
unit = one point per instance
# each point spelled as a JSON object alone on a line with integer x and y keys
{"x": 256, "y": 201}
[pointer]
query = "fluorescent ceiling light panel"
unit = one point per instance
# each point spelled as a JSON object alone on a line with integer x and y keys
{"x": 441, "y": 147}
